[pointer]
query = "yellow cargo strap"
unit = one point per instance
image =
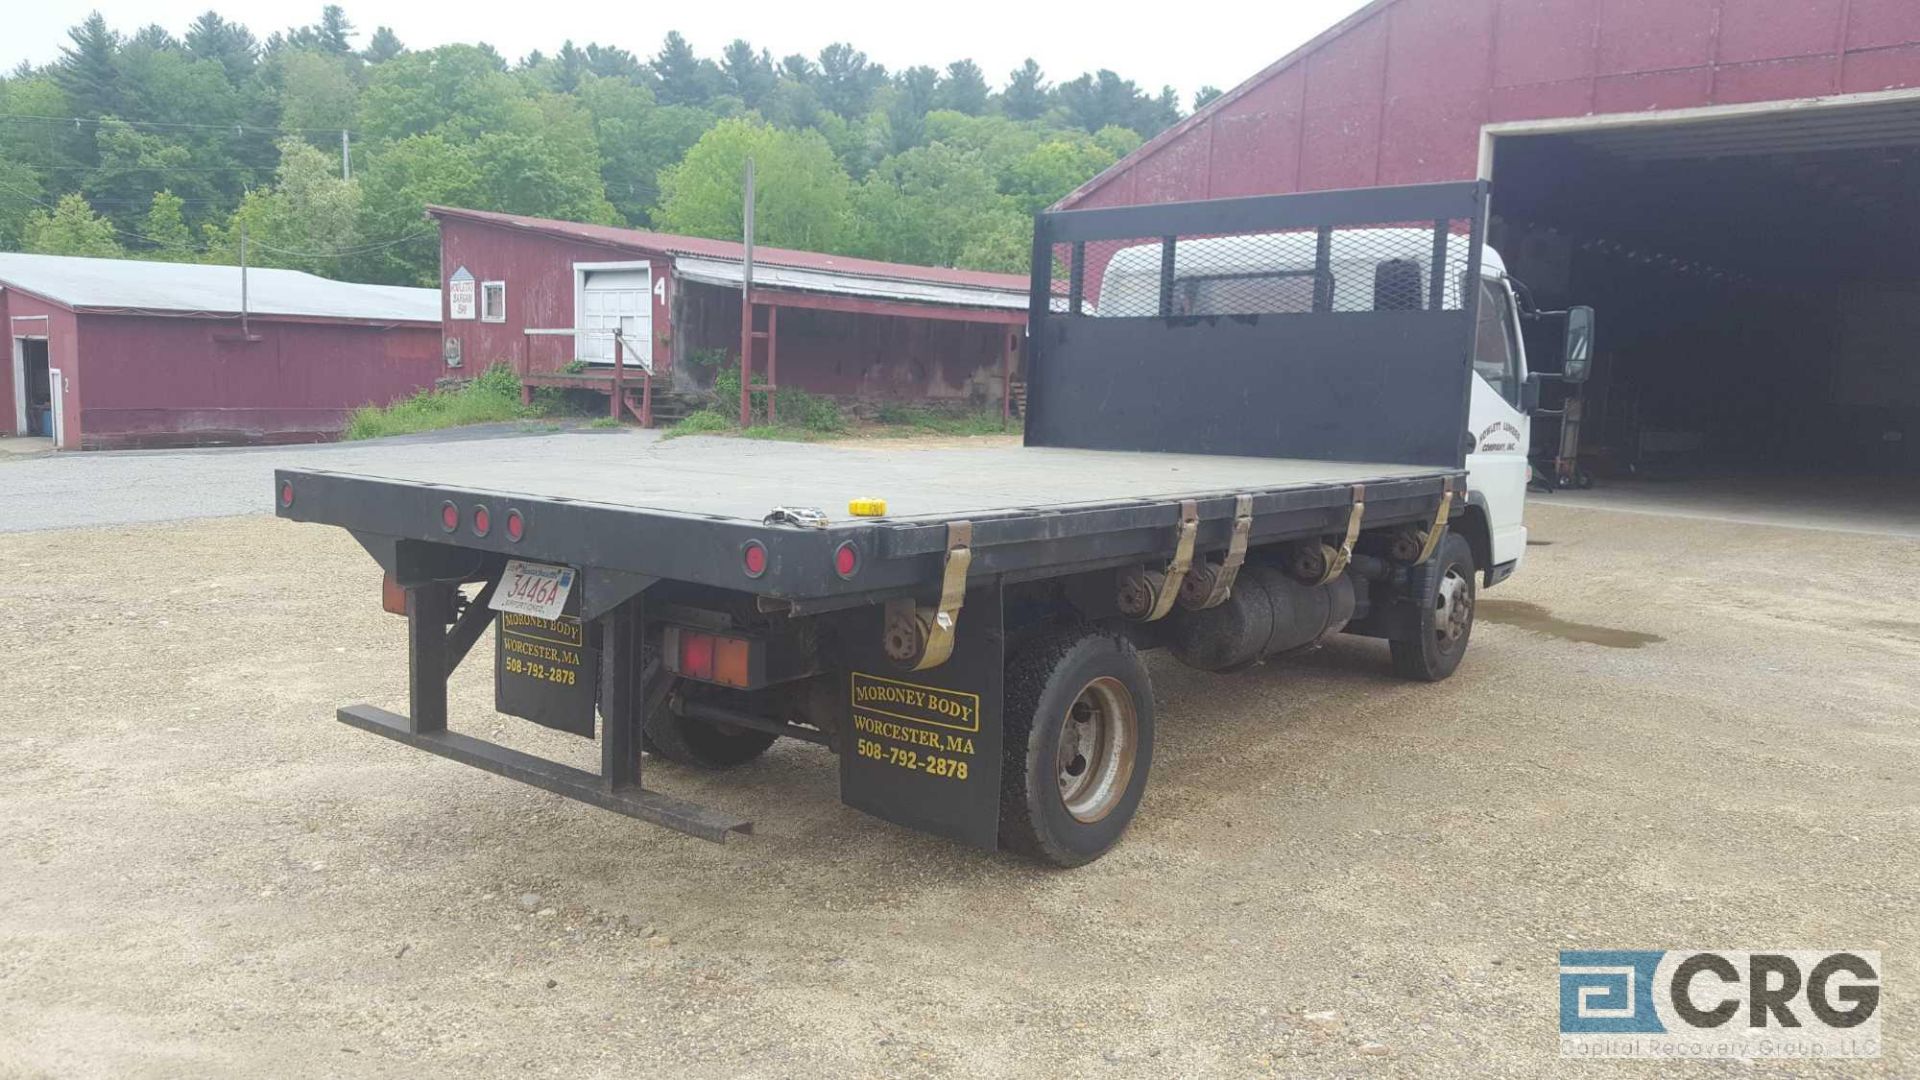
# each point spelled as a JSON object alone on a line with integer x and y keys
{"x": 1224, "y": 575}
{"x": 1168, "y": 587}
{"x": 1439, "y": 527}
{"x": 1337, "y": 560}
{"x": 922, "y": 637}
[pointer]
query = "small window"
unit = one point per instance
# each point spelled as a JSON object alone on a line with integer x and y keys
{"x": 493, "y": 301}
{"x": 1494, "y": 357}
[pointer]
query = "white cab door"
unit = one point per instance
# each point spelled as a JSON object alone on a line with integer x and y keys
{"x": 1497, "y": 466}
{"x": 616, "y": 299}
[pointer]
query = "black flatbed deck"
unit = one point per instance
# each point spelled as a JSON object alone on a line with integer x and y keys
{"x": 681, "y": 509}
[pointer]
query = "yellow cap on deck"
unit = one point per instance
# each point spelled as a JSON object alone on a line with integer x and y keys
{"x": 867, "y": 507}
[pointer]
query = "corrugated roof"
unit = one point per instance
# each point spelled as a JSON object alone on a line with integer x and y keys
{"x": 729, "y": 273}
{"x": 733, "y": 251}
{"x": 187, "y": 288}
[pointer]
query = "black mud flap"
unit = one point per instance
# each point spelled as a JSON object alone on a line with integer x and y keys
{"x": 545, "y": 671}
{"x": 922, "y": 748}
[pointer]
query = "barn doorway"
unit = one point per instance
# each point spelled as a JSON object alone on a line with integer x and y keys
{"x": 32, "y": 388}
{"x": 1757, "y": 274}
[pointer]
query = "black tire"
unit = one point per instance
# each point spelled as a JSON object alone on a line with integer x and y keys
{"x": 1097, "y": 674}
{"x": 1441, "y": 641}
{"x": 701, "y": 744}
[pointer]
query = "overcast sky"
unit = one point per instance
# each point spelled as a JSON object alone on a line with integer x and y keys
{"x": 1218, "y": 43}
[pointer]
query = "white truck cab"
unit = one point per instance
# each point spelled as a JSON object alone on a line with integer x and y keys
{"x": 1274, "y": 274}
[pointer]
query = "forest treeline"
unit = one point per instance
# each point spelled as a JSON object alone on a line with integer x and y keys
{"x": 326, "y": 147}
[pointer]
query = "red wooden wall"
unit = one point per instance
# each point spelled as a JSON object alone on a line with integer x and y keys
{"x": 1399, "y": 92}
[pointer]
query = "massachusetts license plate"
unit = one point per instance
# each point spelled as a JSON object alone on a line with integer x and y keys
{"x": 530, "y": 588}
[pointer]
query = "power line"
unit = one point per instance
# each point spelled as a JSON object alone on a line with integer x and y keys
{"x": 238, "y": 128}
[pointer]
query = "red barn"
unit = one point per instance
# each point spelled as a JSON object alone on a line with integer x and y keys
{"x": 851, "y": 328}
{"x": 113, "y": 353}
{"x": 1734, "y": 184}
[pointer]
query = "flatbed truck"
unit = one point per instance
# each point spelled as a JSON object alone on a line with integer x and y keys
{"x": 1251, "y": 424}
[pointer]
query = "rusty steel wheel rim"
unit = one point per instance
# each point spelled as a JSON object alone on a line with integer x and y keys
{"x": 1099, "y": 739}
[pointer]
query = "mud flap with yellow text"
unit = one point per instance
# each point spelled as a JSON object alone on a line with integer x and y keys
{"x": 922, "y": 748}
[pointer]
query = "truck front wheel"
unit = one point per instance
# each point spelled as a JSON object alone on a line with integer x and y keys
{"x": 1078, "y": 741}
{"x": 1442, "y": 590}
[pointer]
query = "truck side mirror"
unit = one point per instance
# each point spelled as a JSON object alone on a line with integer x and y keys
{"x": 1530, "y": 394}
{"x": 1579, "y": 352}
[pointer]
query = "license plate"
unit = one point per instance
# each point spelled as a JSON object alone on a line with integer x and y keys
{"x": 530, "y": 588}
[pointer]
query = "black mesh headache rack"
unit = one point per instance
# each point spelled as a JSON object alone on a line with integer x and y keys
{"x": 1203, "y": 378}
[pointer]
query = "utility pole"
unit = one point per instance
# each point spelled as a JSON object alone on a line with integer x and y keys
{"x": 746, "y": 309}
{"x": 346, "y": 155}
{"x": 243, "y": 281}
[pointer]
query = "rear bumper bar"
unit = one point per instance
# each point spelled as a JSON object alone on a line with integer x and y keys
{"x": 631, "y": 800}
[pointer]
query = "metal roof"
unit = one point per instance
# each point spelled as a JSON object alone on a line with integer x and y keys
{"x": 188, "y": 288}
{"x": 721, "y": 272}
{"x": 844, "y": 267}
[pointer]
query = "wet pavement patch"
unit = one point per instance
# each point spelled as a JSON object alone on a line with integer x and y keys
{"x": 1538, "y": 619}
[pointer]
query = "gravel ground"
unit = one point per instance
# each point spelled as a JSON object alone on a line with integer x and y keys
{"x": 1333, "y": 874}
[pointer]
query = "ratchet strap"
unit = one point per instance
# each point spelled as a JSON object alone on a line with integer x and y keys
{"x": 1337, "y": 559}
{"x": 1223, "y": 576}
{"x": 1168, "y": 587}
{"x": 1439, "y": 526}
{"x": 939, "y": 623}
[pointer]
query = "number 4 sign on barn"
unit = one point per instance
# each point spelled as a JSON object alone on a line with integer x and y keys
{"x": 528, "y": 588}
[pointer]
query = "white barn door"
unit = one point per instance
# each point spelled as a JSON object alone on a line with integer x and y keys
{"x": 616, "y": 299}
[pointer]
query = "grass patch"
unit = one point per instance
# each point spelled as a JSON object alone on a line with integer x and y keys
{"x": 489, "y": 399}
{"x": 897, "y": 420}
{"x": 600, "y": 422}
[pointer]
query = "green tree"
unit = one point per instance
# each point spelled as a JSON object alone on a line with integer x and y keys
{"x": 383, "y": 46}
{"x": 682, "y": 78}
{"x": 71, "y": 228}
{"x": 1205, "y": 96}
{"x": 131, "y": 165}
{"x": 20, "y": 197}
{"x": 88, "y": 69}
{"x": 165, "y": 230}
{"x": 637, "y": 139}
{"x": 846, "y": 82}
{"x": 962, "y": 89}
{"x": 230, "y": 45}
{"x": 397, "y": 185}
{"x": 1042, "y": 176}
{"x": 1027, "y": 96}
{"x": 803, "y": 194}
{"x": 461, "y": 91}
{"x": 914, "y": 91}
{"x": 308, "y": 220}
{"x": 749, "y": 75}
{"x": 924, "y": 205}
{"x": 316, "y": 91}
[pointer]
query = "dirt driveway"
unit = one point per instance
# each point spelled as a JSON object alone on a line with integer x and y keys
{"x": 1677, "y": 733}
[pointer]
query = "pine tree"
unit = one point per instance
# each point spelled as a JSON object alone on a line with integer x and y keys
{"x": 383, "y": 46}
{"x": 962, "y": 89}
{"x": 89, "y": 70}
{"x": 1027, "y": 95}
{"x": 214, "y": 38}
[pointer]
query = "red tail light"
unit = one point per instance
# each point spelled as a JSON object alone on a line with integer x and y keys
{"x": 696, "y": 655}
{"x": 846, "y": 559}
{"x": 753, "y": 558}
{"x": 482, "y": 521}
{"x": 728, "y": 661}
{"x": 393, "y": 598}
{"x": 449, "y": 517}
{"x": 286, "y": 493}
{"x": 516, "y": 526}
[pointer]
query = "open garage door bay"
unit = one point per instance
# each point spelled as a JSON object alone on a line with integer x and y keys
{"x": 1758, "y": 273}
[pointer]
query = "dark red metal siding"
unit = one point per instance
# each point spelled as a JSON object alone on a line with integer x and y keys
{"x": 1400, "y": 94}
{"x": 62, "y": 352}
{"x": 158, "y": 381}
{"x": 538, "y": 271}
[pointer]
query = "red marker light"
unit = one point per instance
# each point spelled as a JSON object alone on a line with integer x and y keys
{"x": 846, "y": 559}
{"x": 286, "y": 493}
{"x": 449, "y": 517}
{"x": 754, "y": 558}
{"x": 482, "y": 521}
{"x": 516, "y": 526}
{"x": 696, "y": 655}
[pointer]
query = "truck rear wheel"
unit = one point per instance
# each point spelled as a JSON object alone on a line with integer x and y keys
{"x": 1443, "y": 590}
{"x": 1078, "y": 741}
